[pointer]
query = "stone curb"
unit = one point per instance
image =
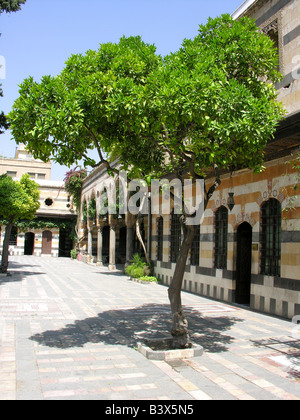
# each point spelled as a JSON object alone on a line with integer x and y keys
{"x": 167, "y": 355}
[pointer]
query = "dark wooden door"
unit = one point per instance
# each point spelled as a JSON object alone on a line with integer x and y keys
{"x": 244, "y": 259}
{"x": 29, "y": 243}
{"x": 47, "y": 242}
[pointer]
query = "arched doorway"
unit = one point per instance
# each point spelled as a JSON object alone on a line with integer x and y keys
{"x": 105, "y": 246}
{"x": 243, "y": 263}
{"x": 29, "y": 243}
{"x": 121, "y": 256}
{"x": 47, "y": 242}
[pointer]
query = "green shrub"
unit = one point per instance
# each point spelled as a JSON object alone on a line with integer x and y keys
{"x": 138, "y": 268}
{"x": 138, "y": 261}
{"x": 149, "y": 279}
{"x": 74, "y": 254}
{"x": 137, "y": 272}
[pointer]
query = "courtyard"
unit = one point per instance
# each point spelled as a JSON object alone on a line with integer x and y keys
{"x": 69, "y": 331}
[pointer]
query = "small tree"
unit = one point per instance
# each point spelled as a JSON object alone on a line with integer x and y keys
{"x": 18, "y": 200}
{"x": 210, "y": 105}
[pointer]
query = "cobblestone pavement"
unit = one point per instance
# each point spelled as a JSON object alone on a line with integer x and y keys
{"x": 70, "y": 331}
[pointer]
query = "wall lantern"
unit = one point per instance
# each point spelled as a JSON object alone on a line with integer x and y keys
{"x": 230, "y": 201}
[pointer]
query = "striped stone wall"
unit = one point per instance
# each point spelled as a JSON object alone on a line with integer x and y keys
{"x": 274, "y": 295}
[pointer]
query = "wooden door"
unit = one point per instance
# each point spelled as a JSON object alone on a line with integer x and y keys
{"x": 47, "y": 242}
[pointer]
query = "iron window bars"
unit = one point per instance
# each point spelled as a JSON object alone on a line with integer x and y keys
{"x": 271, "y": 238}
{"x": 221, "y": 237}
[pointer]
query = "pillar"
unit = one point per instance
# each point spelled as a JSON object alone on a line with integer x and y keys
{"x": 112, "y": 248}
{"x": 100, "y": 246}
{"x": 90, "y": 241}
{"x": 130, "y": 222}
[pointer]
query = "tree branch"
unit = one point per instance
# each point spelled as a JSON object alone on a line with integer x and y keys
{"x": 216, "y": 184}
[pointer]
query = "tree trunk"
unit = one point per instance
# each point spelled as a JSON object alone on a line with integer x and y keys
{"x": 181, "y": 337}
{"x": 139, "y": 236}
{"x": 4, "y": 263}
{"x": 180, "y": 333}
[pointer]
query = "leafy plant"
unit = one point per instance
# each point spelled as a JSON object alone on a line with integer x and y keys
{"x": 92, "y": 210}
{"x": 18, "y": 200}
{"x": 150, "y": 279}
{"x": 73, "y": 184}
{"x": 9, "y": 6}
{"x": 74, "y": 254}
{"x": 138, "y": 267}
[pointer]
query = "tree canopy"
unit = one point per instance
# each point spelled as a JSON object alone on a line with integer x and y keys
{"x": 213, "y": 102}
{"x": 11, "y": 5}
{"x": 18, "y": 199}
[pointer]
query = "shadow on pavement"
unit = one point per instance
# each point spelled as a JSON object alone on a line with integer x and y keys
{"x": 129, "y": 326}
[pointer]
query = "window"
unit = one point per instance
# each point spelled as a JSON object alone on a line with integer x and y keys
{"x": 195, "y": 250}
{"x": 11, "y": 174}
{"x": 160, "y": 233}
{"x": 48, "y": 202}
{"x": 175, "y": 236}
{"x": 271, "y": 238}
{"x": 221, "y": 237}
{"x": 13, "y": 236}
{"x": 272, "y": 30}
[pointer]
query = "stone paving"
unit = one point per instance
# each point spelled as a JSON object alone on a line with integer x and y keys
{"x": 70, "y": 331}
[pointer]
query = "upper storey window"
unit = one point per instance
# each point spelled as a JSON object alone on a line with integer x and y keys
{"x": 272, "y": 30}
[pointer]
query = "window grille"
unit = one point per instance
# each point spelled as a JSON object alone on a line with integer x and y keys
{"x": 221, "y": 237}
{"x": 195, "y": 250}
{"x": 271, "y": 238}
{"x": 160, "y": 233}
{"x": 13, "y": 239}
{"x": 175, "y": 237}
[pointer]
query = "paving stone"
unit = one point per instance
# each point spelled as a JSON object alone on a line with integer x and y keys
{"x": 69, "y": 331}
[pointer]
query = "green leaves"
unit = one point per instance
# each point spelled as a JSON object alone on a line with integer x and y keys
{"x": 18, "y": 199}
{"x": 9, "y": 6}
{"x": 206, "y": 104}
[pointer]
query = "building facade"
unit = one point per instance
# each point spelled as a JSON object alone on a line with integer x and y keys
{"x": 51, "y": 232}
{"x": 248, "y": 254}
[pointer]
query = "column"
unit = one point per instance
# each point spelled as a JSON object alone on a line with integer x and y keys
{"x": 100, "y": 246}
{"x": 129, "y": 244}
{"x": 90, "y": 242}
{"x": 112, "y": 248}
{"x": 130, "y": 222}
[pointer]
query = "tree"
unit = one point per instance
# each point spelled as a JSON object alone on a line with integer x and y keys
{"x": 3, "y": 121}
{"x": 210, "y": 105}
{"x": 9, "y": 6}
{"x": 18, "y": 200}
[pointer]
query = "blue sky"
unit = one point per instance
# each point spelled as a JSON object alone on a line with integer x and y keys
{"x": 39, "y": 39}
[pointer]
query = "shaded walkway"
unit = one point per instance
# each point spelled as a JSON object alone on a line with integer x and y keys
{"x": 69, "y": 330}
{"x": 129, "y": 326}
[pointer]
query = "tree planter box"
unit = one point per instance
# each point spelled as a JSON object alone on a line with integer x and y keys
{"x": 161, "y": 349}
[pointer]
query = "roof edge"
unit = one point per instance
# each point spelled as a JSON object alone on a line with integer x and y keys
{"x": 242, "y": 9}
